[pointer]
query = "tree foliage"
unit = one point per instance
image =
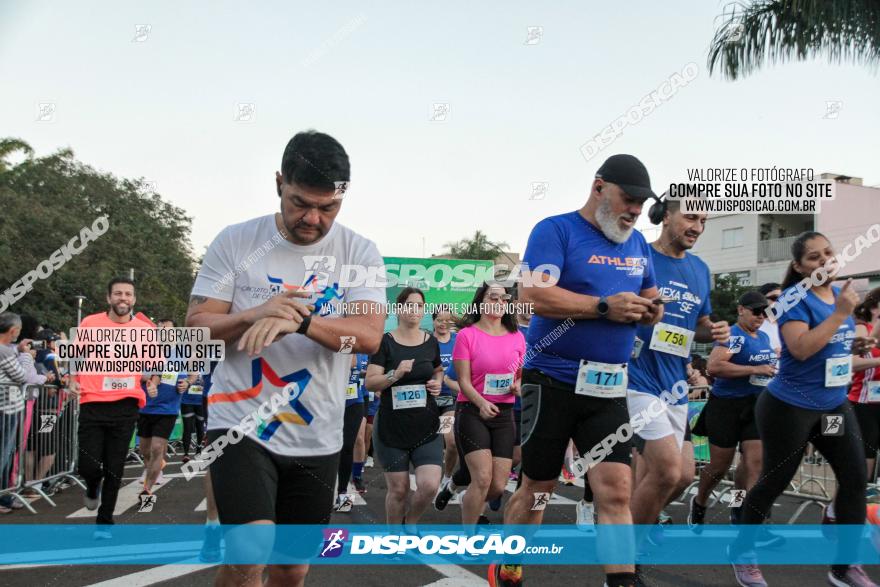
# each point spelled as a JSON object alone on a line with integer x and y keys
{"x": 725, "y": 295}
{"x": 46, "y": 201}
{"x": 776, "y": 31}
{"x": 476, "y": 247}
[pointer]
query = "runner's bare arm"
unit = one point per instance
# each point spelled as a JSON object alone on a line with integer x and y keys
{"x": 556, "y": 302}
{"x": 719, "y": 364}
{"x": 214, "y": 314}
{"x": 862, "y": 363}
{"x": 655, "y": 314}
{"x": 709, "y": 331}
{"x": 365, "y": 323}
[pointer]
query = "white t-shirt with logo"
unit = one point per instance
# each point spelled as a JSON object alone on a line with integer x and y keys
{"x": 246, "y": 265}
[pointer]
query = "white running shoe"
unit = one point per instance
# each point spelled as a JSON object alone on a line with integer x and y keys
{"x": 343, "y": 503}
{"x": 586, "y": 516}
{"x": 368, "y": 462}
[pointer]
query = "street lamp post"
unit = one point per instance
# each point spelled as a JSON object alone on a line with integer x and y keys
{"x": 79, "y": 303}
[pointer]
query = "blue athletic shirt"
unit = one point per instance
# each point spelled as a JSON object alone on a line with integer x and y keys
{"x": 589, "y": 264}
{"x": 195, "y": 393}
{"x": 167, "y": 401}
{"x": 354, "y": 377}
{"x": 802, "y": 383}
{"x": 688, "y": 282}
{"x": 744, "y": 350}
{"x": 446, "y": 360}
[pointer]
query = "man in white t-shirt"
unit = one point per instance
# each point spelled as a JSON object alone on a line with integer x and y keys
{"x": 272, "y": 288}
{"x": 772, "y": 291}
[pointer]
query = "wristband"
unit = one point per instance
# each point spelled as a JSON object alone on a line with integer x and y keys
{"x": 304, "y": 327}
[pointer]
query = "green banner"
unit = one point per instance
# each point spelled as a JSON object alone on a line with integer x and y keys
{"x": 444, "y": 281}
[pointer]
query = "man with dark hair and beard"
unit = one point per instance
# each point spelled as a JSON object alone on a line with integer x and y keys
{"x": 574, "y": 388}
{"x": 109, "y": 409}
{"x": 273, "y": 288}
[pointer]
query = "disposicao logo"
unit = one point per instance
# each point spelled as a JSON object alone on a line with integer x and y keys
{"x": 334, "y": 539}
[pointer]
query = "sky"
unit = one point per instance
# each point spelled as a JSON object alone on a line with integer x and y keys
{"x": 201, "y": 98}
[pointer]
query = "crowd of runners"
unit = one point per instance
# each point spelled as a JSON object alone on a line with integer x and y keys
{"x": 494, "y": 395}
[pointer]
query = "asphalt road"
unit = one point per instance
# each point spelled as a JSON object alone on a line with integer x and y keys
{"x": 182, "y": 502}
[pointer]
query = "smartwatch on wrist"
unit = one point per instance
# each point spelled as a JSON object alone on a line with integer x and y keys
{"x": 602, "y": 307}
{"x": 304, "y": 327}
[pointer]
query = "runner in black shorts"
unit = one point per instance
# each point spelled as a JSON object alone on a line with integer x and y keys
{"x": 488, "y": 356}
{"x": 599, "y": 284}
{"x": 742, "y": 368}
{"x": 289, "y": 338}
{"x": 407, "y": 370}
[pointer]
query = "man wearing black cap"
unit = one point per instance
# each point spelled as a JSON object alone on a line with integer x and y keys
{"x": 575, "y": 380}
{"x": 742, "y": 369}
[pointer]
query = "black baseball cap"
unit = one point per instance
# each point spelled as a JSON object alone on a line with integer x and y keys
{"x": 753, "y": 299}
{"x": 47, "y": 334}
{"x": 630, "y": 174}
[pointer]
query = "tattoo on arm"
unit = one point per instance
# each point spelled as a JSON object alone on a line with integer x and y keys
{"x": 197, "y": 300}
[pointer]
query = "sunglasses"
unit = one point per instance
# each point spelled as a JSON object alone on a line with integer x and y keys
{"x": 772, "y": 298}
{"x": 758, "y": 311}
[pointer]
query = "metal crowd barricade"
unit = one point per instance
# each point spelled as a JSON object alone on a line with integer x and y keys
{"x": 13, "y": 414}
{"x": 52, "y": 446}
{"x": 697, "y": 397}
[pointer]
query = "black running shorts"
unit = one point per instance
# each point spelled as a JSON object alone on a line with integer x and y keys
{"x": 250, "y": 483}
{"x": 156, "y": 425}
{"x": 552, "y": 414}
{"x": 727, "y": 421}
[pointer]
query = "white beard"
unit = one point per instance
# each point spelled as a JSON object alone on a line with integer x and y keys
{"x": 608, "y": 224}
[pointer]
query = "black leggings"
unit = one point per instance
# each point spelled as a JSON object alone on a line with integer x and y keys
{"x": 354, "y": 414}
{"x": 193, "y": 421}
{"x": 785, "y": 431}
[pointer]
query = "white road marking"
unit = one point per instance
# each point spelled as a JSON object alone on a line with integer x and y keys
{"x": 152, "y": 576}
{"x": 203, "y": 505}
{"x": 456, "y": 576}
{"x": 128, "y": 497}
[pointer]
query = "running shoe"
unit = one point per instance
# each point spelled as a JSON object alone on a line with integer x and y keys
{"x": 368, "y": 462}
{"x": 210, "y": 552}
{"x": 586, "y": 516}
{"x": 746, "y": 571}
{"x": 91, "y": 503}
{"x": 696, "y": 515}
{"x": 656, "y": 535}
{"x": 483, "y": 520}
{"x": 855, "y": 576}
{"x": 358, "y": 483}
{"x": 567, "y": 477}
{"x": 829, "y": 520}
{"x": 495, "y": 504}
{"x": 767, "y": 539}
{"x": 664, "y": 519}
{"x": 443, "y": 496}
{"x": 343, "y": 503}
{"x": 514, "y": 476}
{"x": 102, "y": 533}
{"x": 505, "y": 575}
{"x": 184, "y": 460}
